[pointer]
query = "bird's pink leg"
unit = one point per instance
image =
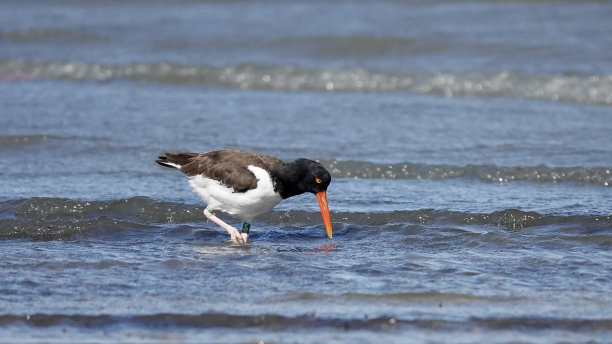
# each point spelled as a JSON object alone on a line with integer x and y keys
{"x": 233, "y": 232}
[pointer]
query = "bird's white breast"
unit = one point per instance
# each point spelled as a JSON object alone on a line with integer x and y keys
{"x": 244, "y": 205}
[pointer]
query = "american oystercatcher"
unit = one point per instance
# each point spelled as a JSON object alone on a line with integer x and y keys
{"x": 245, "y": 184}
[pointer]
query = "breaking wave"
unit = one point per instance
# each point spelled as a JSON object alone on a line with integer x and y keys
{"x": 596, "y": 89}
{"x": 59, "y": 218}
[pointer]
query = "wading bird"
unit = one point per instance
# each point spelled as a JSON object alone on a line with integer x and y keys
{"x": 245, "y": 184}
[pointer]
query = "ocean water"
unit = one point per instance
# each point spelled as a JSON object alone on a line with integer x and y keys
{"x": 469, "y": 144}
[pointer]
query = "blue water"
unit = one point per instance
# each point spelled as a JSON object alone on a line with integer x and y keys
{"x": 468, "y": 141}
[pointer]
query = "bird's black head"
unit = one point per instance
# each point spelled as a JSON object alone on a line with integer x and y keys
{"x": 305, "y": 175}
{"x": 302, "y": 175}
{"x": 316, "y": 178}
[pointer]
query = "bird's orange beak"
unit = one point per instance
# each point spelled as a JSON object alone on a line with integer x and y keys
{"x": 322, "y": 198}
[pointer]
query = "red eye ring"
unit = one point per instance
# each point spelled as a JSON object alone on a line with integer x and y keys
{"x": 319, "y": 181}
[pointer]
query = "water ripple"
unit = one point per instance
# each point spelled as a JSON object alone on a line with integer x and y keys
{"x": 595, "y": 89}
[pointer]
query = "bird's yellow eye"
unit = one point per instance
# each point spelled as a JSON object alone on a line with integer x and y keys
{"x": 319, "y": 181}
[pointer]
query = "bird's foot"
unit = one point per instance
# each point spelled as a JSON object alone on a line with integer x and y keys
{"x": 245, "y": 237}
{"x": 240, "y": 238}
{"x": 233, "y": 232}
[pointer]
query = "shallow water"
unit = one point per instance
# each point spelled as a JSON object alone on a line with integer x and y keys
{"x": 469, "y": 144}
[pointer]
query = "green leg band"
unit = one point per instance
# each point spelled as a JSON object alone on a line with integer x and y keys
{"x": 246, "y": 227}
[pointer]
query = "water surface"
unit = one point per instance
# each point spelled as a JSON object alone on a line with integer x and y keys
{"x": 469, "y": 144}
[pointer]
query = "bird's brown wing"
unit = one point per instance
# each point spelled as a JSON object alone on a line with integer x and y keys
{"x": 229, "y": 167}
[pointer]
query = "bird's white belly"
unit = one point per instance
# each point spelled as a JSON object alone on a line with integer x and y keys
{"x": 244, "y": 205}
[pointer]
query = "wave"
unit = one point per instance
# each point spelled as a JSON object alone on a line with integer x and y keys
{"x": 596, "y": 89}
{"x": 406, "y": 170}
{"x": 487, "y": 173}
{"x": 398, "y": 297}
{"x": 59, "y": 218}
{"x": 360, "y": 45}
{"x": 48, "y": 35}
{"x": 269, "y": 321}
{"x": 12, "y": 141}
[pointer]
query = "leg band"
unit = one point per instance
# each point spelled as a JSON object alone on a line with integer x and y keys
{"x": 246, "y": 227}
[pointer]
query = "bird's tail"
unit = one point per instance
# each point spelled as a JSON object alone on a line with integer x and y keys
{"x": 175, "y": 160}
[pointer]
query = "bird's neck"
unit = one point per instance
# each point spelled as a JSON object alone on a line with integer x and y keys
{"x": 289, "y": 179}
